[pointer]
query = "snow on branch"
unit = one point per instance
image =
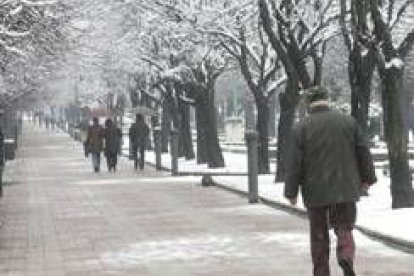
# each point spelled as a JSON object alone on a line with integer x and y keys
{"x": 39, "y": 3}
{"x": 401, "y": 12}
{"x": 186, "y": 99}
{"x": 271, "y": 89}
{"x": 16, "y": 11}
{"x": 12, "y": 49}
{"x": 394, "y": 63}
{"x": 227, "y": 35}
{"x": 152, "y": 62}
{"x": 322, "y": 26}
{"x": 407, "y": 45}
{"x": 12, "y": 34}
{"x": 181, "y": 74}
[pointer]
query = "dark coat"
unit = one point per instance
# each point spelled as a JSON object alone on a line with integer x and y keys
{"x": 112, "y": 136}
{"x": 2, "y": 150}
{"x": 138, "y": 133}
{"x": 94, "y": 141}
{"x": 328, "y": 159}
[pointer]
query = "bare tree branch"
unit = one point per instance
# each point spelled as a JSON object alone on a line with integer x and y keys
{"x": 407, "y": 45}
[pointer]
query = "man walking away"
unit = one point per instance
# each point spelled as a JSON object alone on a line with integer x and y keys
{"x": 94, "y": 143}
{"x": 138, "y": 133}
{"x": 329, "y": 160}
{"x": 112, "y": 136}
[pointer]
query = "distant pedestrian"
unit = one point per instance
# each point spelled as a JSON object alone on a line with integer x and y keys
{"x": 113, "y": 137}
{"x": 94, "y": 142}
{"x": 40, "y": 119}
{"x": 330, "y": 161}
{"x": 47, "y": 122}
{"x": 83, "y": 133}
{"x": 2, "y": 155}
{"x": 53, "y": 123}
{"x": 138, "y": 134}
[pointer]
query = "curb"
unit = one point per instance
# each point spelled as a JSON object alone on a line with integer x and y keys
{"x": 393, "y": 242}
{"x": 193, "y": 173}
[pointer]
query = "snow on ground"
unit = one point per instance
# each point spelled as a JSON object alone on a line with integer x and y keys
{"x": 235, "y": 163}
{"x": 210, "y": 247}
{"x": 374, "y": 212}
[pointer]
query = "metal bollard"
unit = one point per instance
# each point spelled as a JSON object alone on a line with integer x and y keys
{"x": 252, "y": 141}
{"x": 157, "y": 144}
{"x": 174, "y": 151}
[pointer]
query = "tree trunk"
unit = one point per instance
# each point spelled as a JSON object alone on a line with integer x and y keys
{"x": 288, "y": 102}
{"x": 272, "y": 116}
{"x": 202, "y": 147}
{"x": 186, "y": 143}
{"x": 263, "y": 115}
{"x": 360, "y": 70}
{"x": 165, "y": 126}
{"x": 208, "y": 147}
{"x": 360, "y": 100}
{"x": 396, "y": 135}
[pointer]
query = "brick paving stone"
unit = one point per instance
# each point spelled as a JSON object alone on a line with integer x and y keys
{"x": 61, "y": 219}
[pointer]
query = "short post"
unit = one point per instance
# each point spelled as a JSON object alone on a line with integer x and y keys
{"x": 252, "y": 141}
{"x": 157, "y": 145}
{"x": 174, "y": 151}
{"x": 207, "y": 181}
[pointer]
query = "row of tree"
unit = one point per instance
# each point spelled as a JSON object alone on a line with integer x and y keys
{"x": 182, "y": 47}
{"x": 168, "y": 56}
{"x": 31, "y": 37}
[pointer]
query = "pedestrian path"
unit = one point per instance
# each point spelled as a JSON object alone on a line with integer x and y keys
{"x": 60, "y": 218}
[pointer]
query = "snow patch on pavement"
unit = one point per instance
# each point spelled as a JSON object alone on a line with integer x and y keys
{"x": 137, "y": 180}
{"x": 207, "y": 248}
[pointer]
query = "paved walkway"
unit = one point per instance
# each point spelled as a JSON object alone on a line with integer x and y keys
{"x": 60, "y": 218}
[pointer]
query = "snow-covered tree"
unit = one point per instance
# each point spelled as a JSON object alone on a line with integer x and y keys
{"x": 393, "y": 40}
{"x": 30, "y": 33}
{"x": 361, "y": 61}
{"x": 298, "y": 32}
{"x": 239, "y": 31}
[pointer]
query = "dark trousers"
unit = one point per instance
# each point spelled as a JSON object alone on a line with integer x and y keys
{"x": 96, "y": 161}
{"x": 141, "y": 161}
{"x": 111, "y": 160}
{"x": 341, "y": 217}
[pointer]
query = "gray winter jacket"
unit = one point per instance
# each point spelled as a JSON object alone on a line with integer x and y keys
{"x": 329, "y": 158}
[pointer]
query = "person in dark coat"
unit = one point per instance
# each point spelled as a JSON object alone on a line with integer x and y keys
{"x": 94, "y": 142}
{"x": 83, "y": 133}
{"x": 138, "y": 133}
{"x": 329, "y": 161}
{"x": 112, "y": 136}
{"x": 2, "y": 156}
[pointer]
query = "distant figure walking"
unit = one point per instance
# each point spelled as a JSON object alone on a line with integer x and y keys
{"x": 94, "y": 142}
{"x": 83, "y": 133}
{"x": 330, "y": 161}
{"x": 113, "y": 138}
{"x": 2, "y": 156}
{"x": 47, "y": 122}
{"x": 138, "y": 134}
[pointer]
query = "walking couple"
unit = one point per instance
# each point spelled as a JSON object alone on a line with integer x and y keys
{"x": 106, "y": 139}
{"x": 109, "y": 139}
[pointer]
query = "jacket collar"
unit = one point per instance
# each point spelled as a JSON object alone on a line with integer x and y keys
{"x": 319, "y": 106}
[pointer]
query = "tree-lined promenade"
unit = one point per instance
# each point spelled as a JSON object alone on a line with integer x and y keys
{"x": 61, "y": 218}
{"x": 208, "y": 76}
{"x": 119, "y": 55}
